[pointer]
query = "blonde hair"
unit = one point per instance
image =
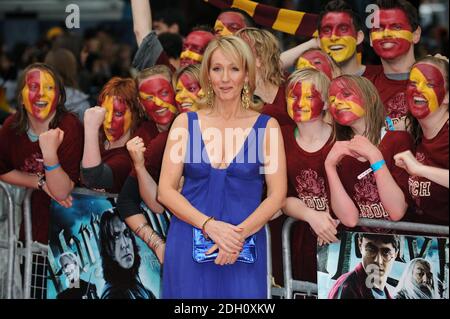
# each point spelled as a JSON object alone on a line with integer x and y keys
{"x": 319, "y": 79}
{"x": 374, "y": 110}
{"x": 267, "y": 50}
{"x": 335, "y": 69}
{"x": 236, "y": 50}
{"x": 193, "y": 70}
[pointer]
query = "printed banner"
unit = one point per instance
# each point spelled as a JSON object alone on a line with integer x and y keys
{"x": 94, "y": 255}
{"x": 376, "y": 266}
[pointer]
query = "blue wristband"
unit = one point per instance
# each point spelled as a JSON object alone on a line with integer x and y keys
{"x": 377, "y": 165}
{"x": 51, "y": 168}
{"x": 390, "y": 124}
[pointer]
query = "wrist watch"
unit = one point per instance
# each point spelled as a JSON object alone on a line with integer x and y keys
{"x": 41, "y": 181}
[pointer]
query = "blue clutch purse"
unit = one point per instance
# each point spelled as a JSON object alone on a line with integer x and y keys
{"x": 201, "y": 245}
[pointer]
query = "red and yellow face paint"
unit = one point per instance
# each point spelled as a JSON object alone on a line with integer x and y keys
{"x": 393, "y": 38}
{"x": 158, "y": 98}
{"x": 228, "y": 23}
{"x": 194, "y": 46}
{"x": 426, "y": 90}
{"x": 188, "y": 91}
{"x": 304, "y": 102}
{"x": 338, "y": 36}
{"x": 39, "y": 94}
{"x": 315, "y": 59}
{"x": 346, "y": 103}
{"x": 118, "y": 117}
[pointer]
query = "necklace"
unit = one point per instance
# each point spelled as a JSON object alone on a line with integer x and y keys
{"x": 33, "y": 137}
{"x": 296, "y": 133}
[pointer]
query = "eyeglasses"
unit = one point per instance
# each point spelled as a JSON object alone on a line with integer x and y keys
{"x": 386, "y": 253}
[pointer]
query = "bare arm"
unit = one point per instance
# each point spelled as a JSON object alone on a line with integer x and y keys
{"x": 289, "y": 57}
{"x": 321, "y": 222}
{"x": 19, "y": 178}
{"x": 390, "y": 193}
{"x": 408, "y": 162}
{"x": 276, "y": 180}
{"x": 342, "y": 204}
{"x": 142, "y": 19}
{"x": 93, "y": 119}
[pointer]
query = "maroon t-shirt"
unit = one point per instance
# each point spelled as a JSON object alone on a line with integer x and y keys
{"x": 364, "y": 192}
{"x": 17, "y": 152}
{"x": 154, "y": 154}
{"x": 392, "y": 92}
{"x": 119, "y": 161}
{"x": 307, "y": 180}
{"x": 147, "y": 130}
{"x": 278, "y": 109}
{"x": 431, "y": 198}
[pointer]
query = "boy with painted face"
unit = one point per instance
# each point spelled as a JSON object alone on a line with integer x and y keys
{"x": 393, "y": 41}
{"x": 427, "y": 97}
{"x": 360, "y": 167}
{"x": 157, "y": 98}
{"x": 232, "y": 20}
{"x": 340, "y": 32}
{"x": 107, "y": 128}
{"x": 187, "y": 88}
{"x": 194, "y": 46}
{"x": 308, "y": 143}
{"x": 41, "y": 145}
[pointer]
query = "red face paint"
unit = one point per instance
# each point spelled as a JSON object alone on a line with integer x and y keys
{"x": 304, "y": 102}
{"x": 426, "y": 90}
{"x": 194, "y": 46}
{"x": 318, "y": 60}
{"x": 157, "y": 96}
{"x": 393, "y": 38}
{"x": 346, "y": 103}
{"x": 39, "y": 94}
{"x": 229, "y": 23}
{"x": 118, "y": 117}
{"x": 187, "y": 93}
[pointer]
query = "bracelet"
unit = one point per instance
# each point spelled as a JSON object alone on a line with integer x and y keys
{"x": 51, "y": 168}
{"x": 377, "y": 165}
{"x": 139, "y": 228}
{"x": 390, "y": 124}
{"x": 204, "y": 225}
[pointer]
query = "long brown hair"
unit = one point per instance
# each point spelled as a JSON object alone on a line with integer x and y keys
{"x": 413, "y": 125}
{"x": 21, "y": 118}
{"x": 374, "y": 111}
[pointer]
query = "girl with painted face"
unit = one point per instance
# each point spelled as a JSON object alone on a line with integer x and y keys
{"x": 187, "y": 88}
{"x": 319, "y": 60}
{"x": 41, "y": 145}
{"x": 269, "y": 76}
{"x": 427, "y": 96}
{"x": 107, "y": 128}
{"x": 360, "y": 167}
{"x": 307, "y": 144}
{"x": 157, "y": 99}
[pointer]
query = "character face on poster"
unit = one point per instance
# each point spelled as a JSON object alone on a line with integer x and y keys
{"x": 379, "y": 266}
{"x": 94, "y": 255}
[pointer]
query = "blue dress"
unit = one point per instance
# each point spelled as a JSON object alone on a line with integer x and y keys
{"x": 230, "y": 195}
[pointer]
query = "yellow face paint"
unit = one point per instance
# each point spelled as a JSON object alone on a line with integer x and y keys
{"x": 118, "y": 118}
{"x": 186, "y": 99}
{"x": 220, "y": 29}
{"x": 387, "y": 33}
{"x": 157, "y": 101}
{"x": 39, "y": 94}
{"x": 302, "y": 63}
{"x": 339, "y": 48}
{"x": 189, "y": 55}
{"x": 304, "y": 102}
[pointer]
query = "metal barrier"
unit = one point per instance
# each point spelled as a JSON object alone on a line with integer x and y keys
{"x": 10, "y": 244}
{"x": 310, "y": 289}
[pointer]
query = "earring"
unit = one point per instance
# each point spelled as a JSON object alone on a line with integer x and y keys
{"x": 245, "y": 97}
{"x": 209, "y": 95}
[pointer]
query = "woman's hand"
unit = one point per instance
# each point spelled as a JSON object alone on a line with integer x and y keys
{"x": 324, "y": 226}
{"x": 50, "y": 141}
{"x": 94, "y": 117}
{"x": 136, "y": 148}
{"x": 408, "y": 162}
{"x": 226, "y": 236}
{"x": 65, "y": 203}
{"x": 337, "y": 152}
{"x": 364, "y": 150}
